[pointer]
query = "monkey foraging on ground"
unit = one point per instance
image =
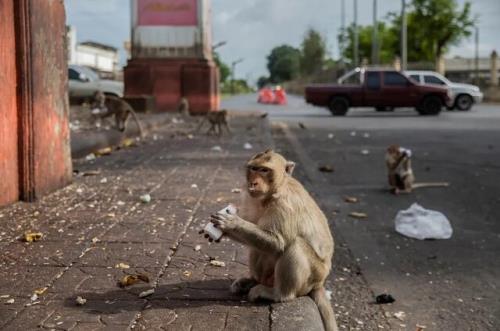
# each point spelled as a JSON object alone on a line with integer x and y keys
{"x": 118, "y": 107}
{"x": 291, "y": 246}
{"x": 400, "y": 172}
{"x": 183, "y": 106}
{"x": 216, "y": 119}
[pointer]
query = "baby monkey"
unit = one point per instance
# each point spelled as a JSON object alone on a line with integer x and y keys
{"x": 216, "y": 119}
{"x": 116, "y": 106}
{"x": 400, "y": 172}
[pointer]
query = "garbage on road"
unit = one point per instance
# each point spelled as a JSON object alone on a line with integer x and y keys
{"x": 217, "y": 263}
{"x": 32, "y": 236}
{"x": 247, "y": 146}
{"x": 384, "y": 298}
{"x": 365, "y": 152}
{"x": 420, "y": 223}
{"x": 132, "y": 279}
{"x": 80, "y": 301}
{"x": 359, "y": 215}
{"x": 146, "y": 293}
{"x": 145, "y": 198}
{"x": 216, "y": 148}
{"x": 326, "y": 168}
{"x": 351, "y": 199}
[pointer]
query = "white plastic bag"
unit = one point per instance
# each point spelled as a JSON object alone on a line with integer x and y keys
{"x": 420, "y": 223}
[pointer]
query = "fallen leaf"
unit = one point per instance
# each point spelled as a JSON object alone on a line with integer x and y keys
{"x": 146, "y": 293}
{"x": 104, "y": 151}
{"x": 80, "y": 301}
{"x": 217, "y": 263}
{"x": 400, "y": 315}
{"x": 32, "y": 236}
{"x": 133, "y": 279}
{"x": 187, "y": 273}
{"x": 91, "y": 173}
{"x": 356, "y": 214}
{"x": 122, "y": 265}
{"x": 40, "y": 291}
{"x": 326, "y": 168}
{"x": 421, "y": 327}
{"x": 127, "y": 142}
{"x": 351, "y": 199}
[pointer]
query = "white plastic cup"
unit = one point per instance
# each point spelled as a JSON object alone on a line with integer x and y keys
{"x": 210, "y": 228}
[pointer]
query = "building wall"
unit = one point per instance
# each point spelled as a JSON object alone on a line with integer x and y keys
{"x": 36, "y": 158}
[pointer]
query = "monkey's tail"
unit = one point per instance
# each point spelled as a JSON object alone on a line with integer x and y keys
{"x": 433, "y": 184}
{"x": 139, "y": 125}
{"x": 325, "y": 308}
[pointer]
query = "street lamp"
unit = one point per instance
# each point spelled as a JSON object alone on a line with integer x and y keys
{"x": 233, "y": 69}
{"x": 219, "y": 44}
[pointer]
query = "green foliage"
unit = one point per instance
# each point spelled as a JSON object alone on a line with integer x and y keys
{"x": 224, "y": 69}
{"x": 283, "y": 63}
{"x": 432, "y": 27}
{"x": 388, "y": 41}
{"x": 240, "y": 86}
{"x": 313, "y": 51}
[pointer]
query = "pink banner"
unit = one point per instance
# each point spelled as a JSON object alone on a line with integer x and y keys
{"x": 167, "y": 12}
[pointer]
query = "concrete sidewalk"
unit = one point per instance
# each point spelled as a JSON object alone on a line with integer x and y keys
{"x": 97, "y": 230}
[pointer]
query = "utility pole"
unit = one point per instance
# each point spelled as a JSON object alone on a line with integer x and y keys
{"x": 374, "y": 37}
{"x": 404, "y": 46}
{"x": 476, "y": 58}
{"x": 356, "y": 36}
{"x": 342, "y": 32}
{"x": 233, "y": 69}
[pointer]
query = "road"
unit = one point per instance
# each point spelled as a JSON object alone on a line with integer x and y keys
{"x": 441, "y": 284}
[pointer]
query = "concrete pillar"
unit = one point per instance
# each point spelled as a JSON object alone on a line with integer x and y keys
{"x": 494, "y": 69}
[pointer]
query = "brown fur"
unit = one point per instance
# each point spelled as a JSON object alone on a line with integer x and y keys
{"x": 291, "y": 247}
{"x": 183, "y": 106}
{"x": 117, "y": 107}
{"x": 400, "y": 172}
{"x": 216, "y": 119}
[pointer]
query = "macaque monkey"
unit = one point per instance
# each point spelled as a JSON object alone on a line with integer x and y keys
{"x": 291, "y": 246}
{"x": 118, "y": 107}
{"x": 400, "y": 172}
{"x": 183, "y": 106}
{"x": 216, "y": 119}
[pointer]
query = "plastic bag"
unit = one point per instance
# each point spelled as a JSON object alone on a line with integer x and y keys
{"x": 420, "y": 223}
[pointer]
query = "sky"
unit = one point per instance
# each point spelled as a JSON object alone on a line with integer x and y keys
{"x": 252, "y": 28}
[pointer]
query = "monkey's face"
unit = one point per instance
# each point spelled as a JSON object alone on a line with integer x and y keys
{"x": 259, "y": 180}
{"x": 393, "y": 153}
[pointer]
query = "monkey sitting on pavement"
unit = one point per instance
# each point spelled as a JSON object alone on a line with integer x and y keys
{"x": 400, "y": 172}
{"x": 183, "y": 106}
{"x": 216, "y": 119}
{"x": 116, "y": 106}
{"x": 291, "y": 246}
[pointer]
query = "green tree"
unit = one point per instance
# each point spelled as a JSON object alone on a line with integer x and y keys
{"x": 283, "y": 63}
{"x": 224, "y": 69}
{"x": 313, "y": 51}
{"x": 432, "y": 27}
{"x": 388, "y": 42}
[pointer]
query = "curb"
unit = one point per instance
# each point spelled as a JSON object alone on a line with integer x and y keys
{"x": 84, "y": 143}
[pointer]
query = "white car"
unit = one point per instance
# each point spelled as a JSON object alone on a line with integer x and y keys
{"x": 84, "y": 82}
{"x": 463, "y": 96}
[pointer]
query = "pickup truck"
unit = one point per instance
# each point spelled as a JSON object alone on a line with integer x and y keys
{"x": 380, "y": 88}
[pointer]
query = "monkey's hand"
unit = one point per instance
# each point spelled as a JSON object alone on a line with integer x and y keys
{"x": 226, "y": 222}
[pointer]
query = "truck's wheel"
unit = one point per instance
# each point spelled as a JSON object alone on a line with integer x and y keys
{"x": 464, "y": 102}
{"x": 339, "y": 106}
{"x": 431, "y": 105}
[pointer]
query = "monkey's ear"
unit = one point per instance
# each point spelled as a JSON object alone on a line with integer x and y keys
{"x": 290, "y": 165}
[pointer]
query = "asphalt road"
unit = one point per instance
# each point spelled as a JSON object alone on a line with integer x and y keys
{"x": 441, "y": 284}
